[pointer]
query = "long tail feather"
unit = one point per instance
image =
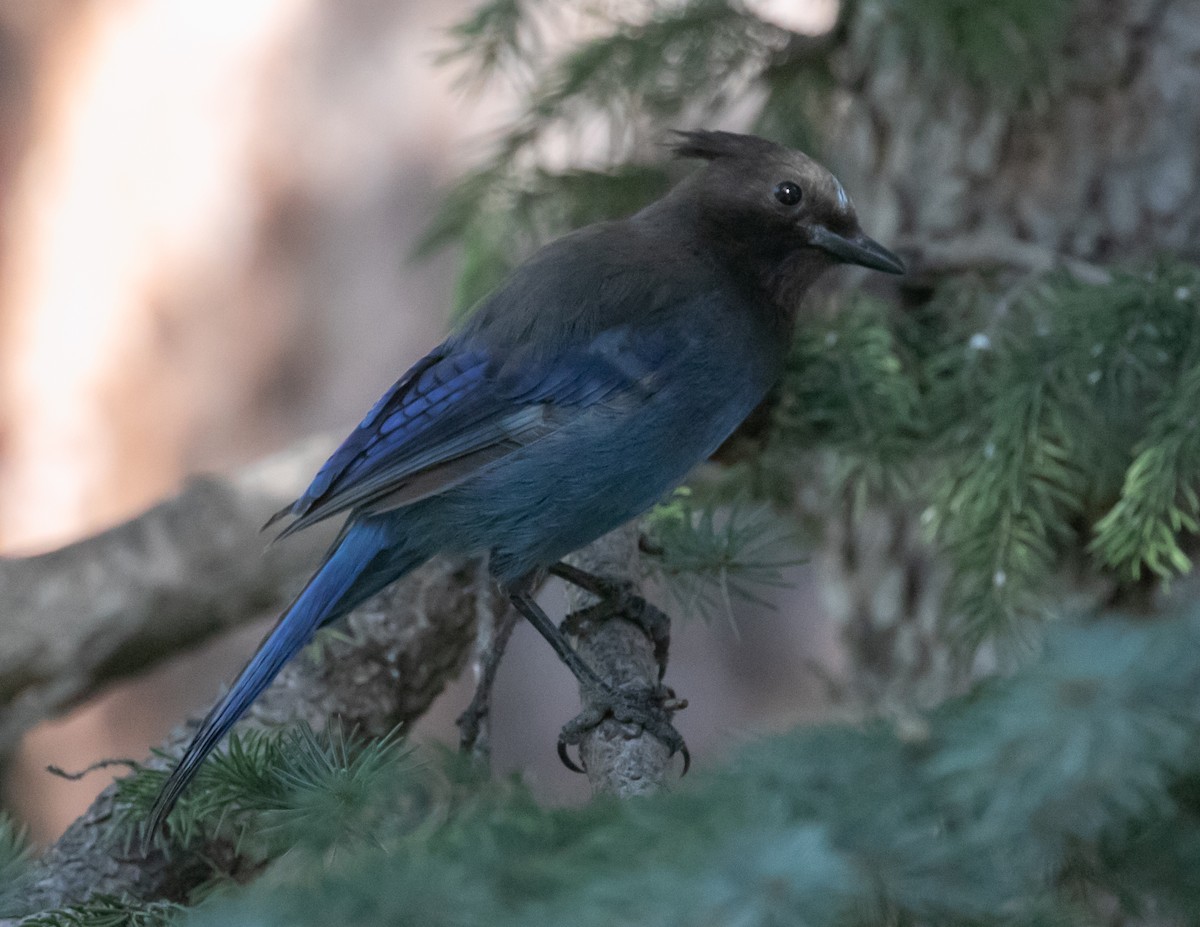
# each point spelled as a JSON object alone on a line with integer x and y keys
{"x": 361, "y": 564}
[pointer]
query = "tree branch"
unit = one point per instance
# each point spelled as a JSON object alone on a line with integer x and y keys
{"x": 620, "y": 758}
{"x": 116, "y": 604}
{"x": 399, "y": 650}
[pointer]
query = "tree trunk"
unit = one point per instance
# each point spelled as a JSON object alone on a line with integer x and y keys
{"x": 1100, "y": 166}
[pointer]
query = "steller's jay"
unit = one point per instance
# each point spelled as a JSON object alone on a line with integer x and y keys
{"x": 573, "y": 398}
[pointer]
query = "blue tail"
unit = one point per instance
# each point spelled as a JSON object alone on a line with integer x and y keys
{"x": 366, "y": 559}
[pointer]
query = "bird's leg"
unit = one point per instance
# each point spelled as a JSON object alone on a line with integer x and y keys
{"x": 619, "y": 600}
{"x": 649, "y": 708}
{"x": 524, "y": 603}
{"x": 473, "y": 723}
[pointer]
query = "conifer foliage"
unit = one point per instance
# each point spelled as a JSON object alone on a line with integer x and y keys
{"x": 1076, "y": 775}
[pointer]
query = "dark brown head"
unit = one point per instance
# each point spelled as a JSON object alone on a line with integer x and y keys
{"x": 774, "y": 210}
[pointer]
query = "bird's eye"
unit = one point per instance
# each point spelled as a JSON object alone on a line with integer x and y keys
{"x": 789, "y": 193}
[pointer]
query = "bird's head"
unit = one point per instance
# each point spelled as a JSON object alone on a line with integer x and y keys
{"x": 777, "y": 208}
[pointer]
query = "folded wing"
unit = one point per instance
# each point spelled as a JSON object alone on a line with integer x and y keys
{"x": 460, "y": 409}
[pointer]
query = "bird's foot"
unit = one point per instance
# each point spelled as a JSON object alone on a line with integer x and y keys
{"x": 641, "y": 709}
{"x": 646, "y": 710}
{"x": 617, "y": 600}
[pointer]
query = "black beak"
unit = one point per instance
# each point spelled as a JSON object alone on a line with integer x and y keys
{"x": 860, "y": 250}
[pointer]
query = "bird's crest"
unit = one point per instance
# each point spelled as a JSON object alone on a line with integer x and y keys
{"x": 710, "y": 145}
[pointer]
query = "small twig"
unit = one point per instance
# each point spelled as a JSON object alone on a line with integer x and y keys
{"x": 88, "y": 770}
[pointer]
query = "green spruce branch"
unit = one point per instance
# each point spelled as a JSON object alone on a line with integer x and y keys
{"x": 110, "y": 911}
{"x": 1028, "y": 425}
{"x": 1015, "y": 804}
{"x": 318, "y": 778}
{"x": 708, "y": 552}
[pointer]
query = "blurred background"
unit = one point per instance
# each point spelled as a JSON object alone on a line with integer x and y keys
{"x": 207, "y": 219}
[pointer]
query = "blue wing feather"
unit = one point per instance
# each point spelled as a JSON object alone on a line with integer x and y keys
{"x": 460, "y": 403}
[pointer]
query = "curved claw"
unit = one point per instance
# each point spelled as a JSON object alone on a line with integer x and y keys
{"x": 687, "y": 759}
{"x": 565, "y": 756}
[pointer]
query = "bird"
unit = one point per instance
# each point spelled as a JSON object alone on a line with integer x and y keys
{"x": 573, "y": 397}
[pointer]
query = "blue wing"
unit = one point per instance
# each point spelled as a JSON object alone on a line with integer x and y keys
{"x": 463, "y": 407}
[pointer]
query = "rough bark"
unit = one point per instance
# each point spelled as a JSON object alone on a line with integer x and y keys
{"x": 115, "y": 604}
{"x": 395, "y": 655}
{"x": 1100, "y": 166}
{"x": 89, "y": 860}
